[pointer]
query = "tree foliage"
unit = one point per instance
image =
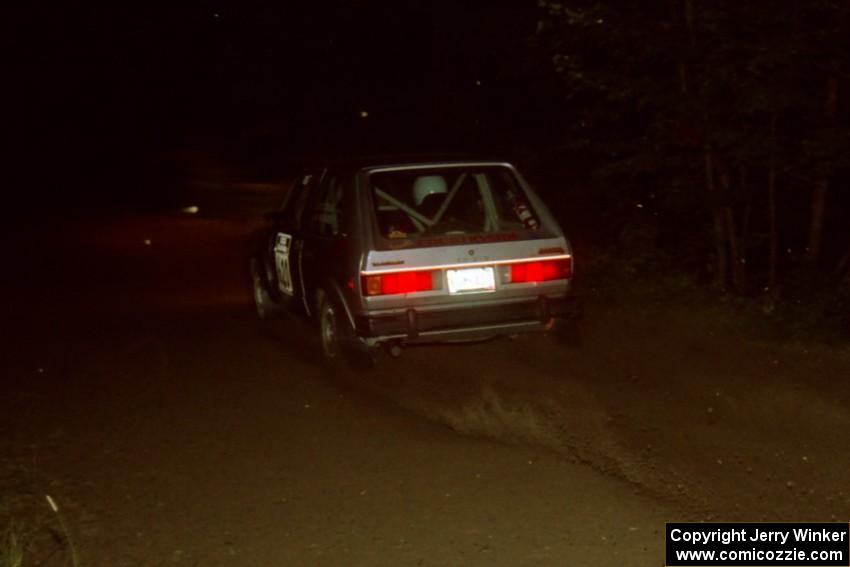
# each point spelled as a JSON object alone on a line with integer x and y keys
{"x": 728, "y": 113}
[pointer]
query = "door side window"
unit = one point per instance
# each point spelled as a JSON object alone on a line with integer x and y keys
{"x": 325, "y": 215}
{"x": 297, "y": 198}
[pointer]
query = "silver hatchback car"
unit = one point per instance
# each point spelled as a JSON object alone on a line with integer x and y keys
{"x": 401, "y": 251}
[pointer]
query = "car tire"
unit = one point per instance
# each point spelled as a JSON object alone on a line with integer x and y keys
{"x": 263, "y": 302}
{"x": 335, "y": 333}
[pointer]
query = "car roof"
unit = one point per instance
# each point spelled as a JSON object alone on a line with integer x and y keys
{"x": 400, "y": 160}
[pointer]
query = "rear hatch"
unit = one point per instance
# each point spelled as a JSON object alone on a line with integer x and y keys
{"x": 465, "y": 234}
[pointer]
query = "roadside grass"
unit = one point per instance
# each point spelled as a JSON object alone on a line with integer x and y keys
{"x": 11, "y": 548}
{"x": 32, "y": 530}
{"x": 12, "y": 540}
{"x": 804, "y": 313}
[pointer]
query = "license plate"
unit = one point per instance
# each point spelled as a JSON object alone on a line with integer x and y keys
{"x": 467, "y": 280}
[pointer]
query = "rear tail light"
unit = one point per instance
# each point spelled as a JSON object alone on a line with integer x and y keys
{"x": 398, "y": 282}
{"x": 540, "y": 270}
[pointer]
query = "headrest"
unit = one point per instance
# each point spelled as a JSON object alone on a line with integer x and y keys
{"x": 428, "y": 185}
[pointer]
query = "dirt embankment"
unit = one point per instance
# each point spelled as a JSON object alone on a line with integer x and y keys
{"x": 692, "y": 411}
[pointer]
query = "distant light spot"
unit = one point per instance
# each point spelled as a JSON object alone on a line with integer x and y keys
{"x": 599, "y": 21}
{"x": 215, "y": 15}
{"x": 147, "y": 241}
{"x": 52, "y": 503}
{"x": 639, "y": 205}
{"x": 477, "y": 82}
{"x": 190, "y": 210}
{"x": 364, "y": 114}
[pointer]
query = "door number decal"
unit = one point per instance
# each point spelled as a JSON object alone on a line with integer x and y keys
{"x": 282, "y": 245}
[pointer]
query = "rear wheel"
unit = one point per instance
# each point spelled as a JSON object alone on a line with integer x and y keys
{"x": 329, "y": 331}
{"x": 335, "y": 333}
{"x": 339, "y": 343}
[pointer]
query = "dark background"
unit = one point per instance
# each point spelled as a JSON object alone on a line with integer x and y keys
{"x": 707, "y": 140}
{"x": 108, "y": 95}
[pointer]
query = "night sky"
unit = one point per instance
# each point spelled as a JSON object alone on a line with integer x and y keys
{"x": 103, "y": 90}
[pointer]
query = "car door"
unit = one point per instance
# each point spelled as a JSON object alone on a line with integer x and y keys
{"x": 325, "y": 236}
{"x": 286, "y": 242}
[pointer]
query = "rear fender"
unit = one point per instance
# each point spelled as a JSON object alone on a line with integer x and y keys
{"x": 333, "y": 289}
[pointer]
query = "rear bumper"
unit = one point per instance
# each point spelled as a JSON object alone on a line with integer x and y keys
{"x": 467, "y": 323}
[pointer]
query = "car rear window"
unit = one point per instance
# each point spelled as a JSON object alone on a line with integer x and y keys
{"x": 422, "y": 203}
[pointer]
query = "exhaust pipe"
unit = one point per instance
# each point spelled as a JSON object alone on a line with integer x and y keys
{"x": 393, "y": 348}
